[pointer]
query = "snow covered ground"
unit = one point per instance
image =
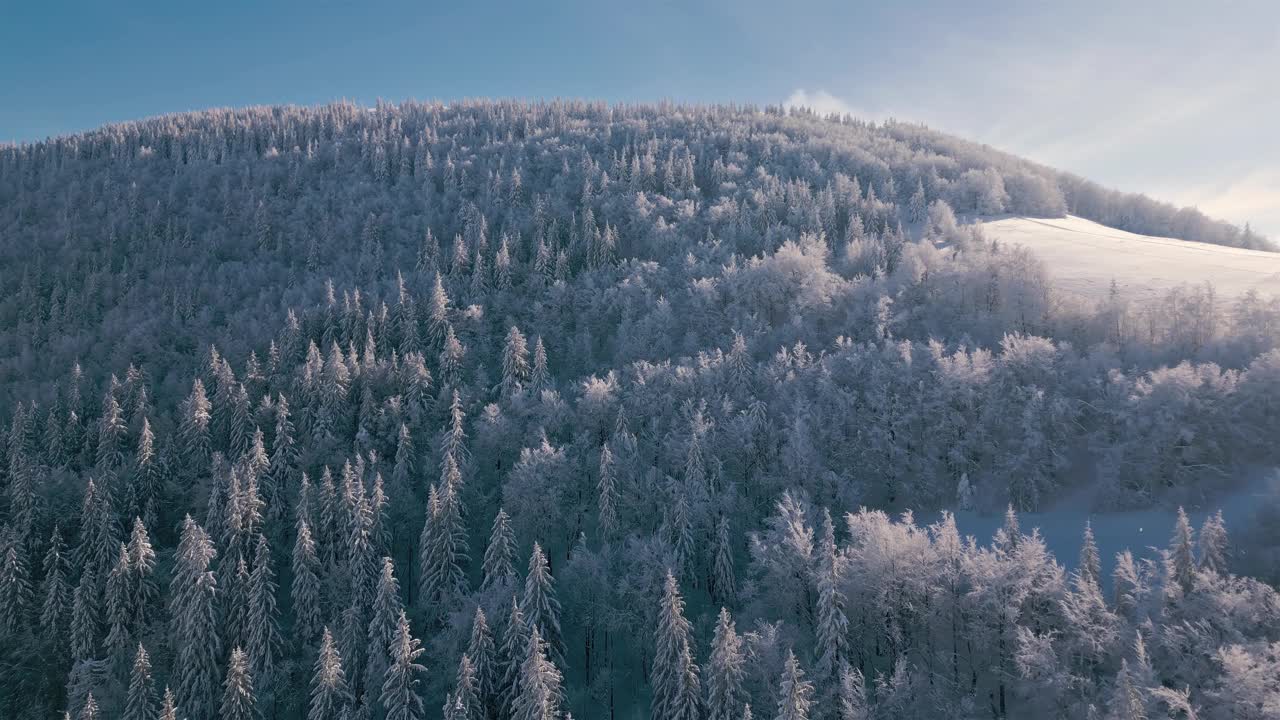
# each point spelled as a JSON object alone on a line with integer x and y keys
{"x": 1083, "y": 257}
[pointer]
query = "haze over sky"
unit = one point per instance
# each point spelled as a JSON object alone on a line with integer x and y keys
{"x": 1177, "y": 99}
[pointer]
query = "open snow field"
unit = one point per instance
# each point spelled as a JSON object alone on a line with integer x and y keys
{"x": 1082, "y": 257}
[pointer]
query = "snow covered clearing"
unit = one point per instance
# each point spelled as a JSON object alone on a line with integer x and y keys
{"x": 1083, "y": 257}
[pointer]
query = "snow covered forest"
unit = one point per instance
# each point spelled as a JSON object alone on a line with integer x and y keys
{"x": 511, "y": 411}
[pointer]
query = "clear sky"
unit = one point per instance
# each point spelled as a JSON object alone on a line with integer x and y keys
{"x": 1178, "y": 99}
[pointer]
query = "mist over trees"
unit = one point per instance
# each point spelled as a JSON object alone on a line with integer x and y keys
{"x": 501, "y": 410}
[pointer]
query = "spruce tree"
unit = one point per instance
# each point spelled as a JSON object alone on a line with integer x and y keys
{"x": 515, "y": 363}
{"x": 56, "y": 591}
{"x": 499, "y": 555}
{"x": 853, "y": 695}
{"x": 726, "y": 671}
{"x": 483, "y": 657}
{"x": 400, "y": 697}
{"x": 540, "y": 694}
{"x": 464, "y": 703}
{"x": 512, "y": 656}
{"x": 540, "y": 606}
{"x": 795, "y": 694}
{"x": 86, "y": 619}
{"x": 832, "y": 624}
{"x": 1213, "y": 544}
{"x": 329, "y": 693}
{"x": 305, "y": 591}
{"x": 383, "y": 625}
{"x": 193, "y": 625}
{"x": 675, "y": 676}
{"x": 142, "y": 562}
{"x": 1090, "y": 562}
{"x": 607, "y": 493}
{"x": 238, "y": 702}
{"x": 263, "y": 623}
{"x": 15, "y": 592}
{"x": 141, "y": 701}
{"x": 1182, "y": 552}
{"x": 168, "y": 706}
{"x": 723, "y": 583}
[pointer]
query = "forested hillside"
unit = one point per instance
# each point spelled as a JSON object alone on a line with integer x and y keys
{"x": 501, "y": 410}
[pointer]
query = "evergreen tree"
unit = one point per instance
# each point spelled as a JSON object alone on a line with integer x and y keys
{"x": 194, "y": 427}
{"x": 853, "y": 695}
{"x": 120, "y": 613}
{"x": 238, "y": 702}
{"x": 442, "y": 547}
{"x": 515, "y": 363}
{"x": 1127, "y": 701}
{"x": 329, "y": 693}
{"x": 1213, "y": 545}
{"x": 400, "y": 695}
{"x": 1182, "y": 552}
{"x": 193, "y": 626}
{"x": 514, "y": 647}
{"x": 141, "y": 702}
{"x": 499, "y": 556}
{"x": 169, "y": 706}
{"x": 112, "y": 431}
{"x": 723, "y": 582}
{"x": 483, "y": 658}
{"x": 608, "y": 493}
{"x": 90, "y": 709}
{"x": 795, "y": 694}
{"x": 86, "y": 619}
{"x": 675, "y": 676}
{"x": 540, "y": 693}
{"x": 15, "y": 592}
{"x": 142, "y": 562}
{"x": 464, "y": 703}
{"x": 833, "y": 626}
{"x": 383, "y": 625}
{"x": 56, "y": 591}
{"x": 725, "y": 672}
{"x": 1090, "y": 563}
{"x": 540, "y": 606}
{"x": 263, "y": 624}
{"x": 305, "y": 591}
{"x": 539, "y": 376}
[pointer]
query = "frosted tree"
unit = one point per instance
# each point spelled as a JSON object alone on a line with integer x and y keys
{"x": 539, "y": 376}
{"x": 15, "y": 592}
{"x": 1182, "y": 561}
{"x": 853, "y": 695}
{"x": 168, "y": 706}
{"x": 795, "y": 694}
{"x": 404, "y": 459}
{"x": 305, "y": 591}
{"x": 141, "y": 700}
{"x": 1127, "y": 701}
{"x": 832, "y": 630}
{"x": 463, "y": 703}
{"x": 400, "y": 697}
{"x": 674, "y": 677}
{"x": 193, "y": 626}
{"x": 55, "y": 590}
{"x": 723, "y": 583}
{"x": 512, "y": 657}
{"x": 1090, "y": 563}
{"x": 112, "y": 431}
{"x": 540, "y": 693}
{"x": 442, "y": 549}
{"x": 193, "y": 430}
{"x": 726, "y": 671}
{"x": 263, "y": 622}
{"x": 330, "y": 696}
{"x": 437, "y": 313}
{"x": 1213, "y": 544}
{"x": 144, "y": 591}
{"x": 383, "y": 625}
{"x": 515, "y": 363}
{"x": 607, "y": 493}
{"x": 484, "y": 664}
{"x": 86, "y": 619}
{"x": 90, "y": 709}
{"x": 499, "y": 556}
{"x": 238, "y": 702}
{"x": 453, "y": 444}
{"x": 541, "y": 608}
{"x": 119, "y": 613}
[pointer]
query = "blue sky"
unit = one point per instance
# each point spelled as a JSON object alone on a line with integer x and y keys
{"x": 1177, "y": 99}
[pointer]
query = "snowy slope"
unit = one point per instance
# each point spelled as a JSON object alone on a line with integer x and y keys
{"x": 1083, "y": 257}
